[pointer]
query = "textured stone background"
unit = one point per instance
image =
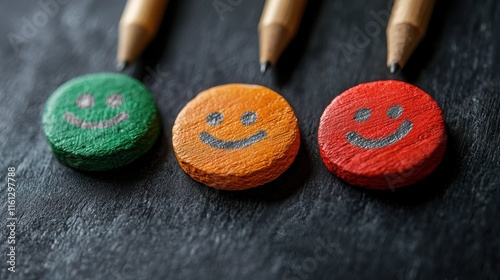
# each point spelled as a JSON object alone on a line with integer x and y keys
{"x": 151, "y": 221}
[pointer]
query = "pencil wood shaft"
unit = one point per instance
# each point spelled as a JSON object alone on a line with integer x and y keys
{"x": 278, "y": 25}
{"x": 407, "y": 26}
{"x": 139, "y": 24}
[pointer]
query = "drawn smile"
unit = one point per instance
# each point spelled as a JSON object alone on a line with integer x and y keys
{"x": 217, "y": 143}
{"x": 76, "y": 121}
{"x": 357, "y": 140}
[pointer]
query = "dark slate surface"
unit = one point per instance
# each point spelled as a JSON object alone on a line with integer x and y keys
{"x": 151, "y": 221}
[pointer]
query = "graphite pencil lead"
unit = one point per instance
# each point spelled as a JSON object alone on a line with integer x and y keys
{"x": 121, "y": 66}
{"x": 265, "y": 66}
{"x": 394, "y": 68}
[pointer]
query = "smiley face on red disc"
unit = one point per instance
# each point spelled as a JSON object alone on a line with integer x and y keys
{"x": 382, "y": 135}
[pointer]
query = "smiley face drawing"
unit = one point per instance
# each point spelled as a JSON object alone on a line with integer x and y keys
{"x": 363, "y": 115}
{"x": 236, "y": 136}
{"x": 382, "y": 135}
{"x": 248, "y": 118}
{"x": 100, "y": 121}
{"x": 86, "y": 101}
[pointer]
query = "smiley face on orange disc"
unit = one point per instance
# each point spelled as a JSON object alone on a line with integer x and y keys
{"x": 382, "y": 135}
{"x": 236, "y": 136}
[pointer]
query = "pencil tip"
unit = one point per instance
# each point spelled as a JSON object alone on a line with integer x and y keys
{"x": 394, "y": 68}
{"x": 121, "y": 66}
{"x": 265, "y": 66}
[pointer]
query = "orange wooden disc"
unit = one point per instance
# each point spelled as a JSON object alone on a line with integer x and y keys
{"x": 236, "y": 136}
{"x": 382, "y": 135}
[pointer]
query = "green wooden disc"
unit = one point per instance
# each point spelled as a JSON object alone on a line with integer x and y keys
{"x": 101, "y": 121}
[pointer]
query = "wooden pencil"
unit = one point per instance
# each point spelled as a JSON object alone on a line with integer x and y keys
{"x": 138, "y": 26}
{"x": 278, "y": 25}
{"x": 406, "y": 28}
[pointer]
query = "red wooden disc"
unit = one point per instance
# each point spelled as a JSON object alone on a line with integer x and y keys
{"x": 382, "y": 135}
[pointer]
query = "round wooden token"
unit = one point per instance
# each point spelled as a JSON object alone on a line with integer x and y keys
{"x": 100, "y": 121}
{"x": 382, "y": 135}
{"x": 236, "y": 136}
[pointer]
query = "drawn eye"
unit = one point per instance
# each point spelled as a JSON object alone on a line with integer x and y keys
{"x": 114, "y": 100}
{"x": 85, "y": 101}
{"x": 362, "y": 114}
{"x": 215, "y": 118}
{"x": 248, "y": 118}
{"x": 395, "y": 111}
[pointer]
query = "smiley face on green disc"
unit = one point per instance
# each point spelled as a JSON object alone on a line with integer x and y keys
{"x": 101, "y": 121}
